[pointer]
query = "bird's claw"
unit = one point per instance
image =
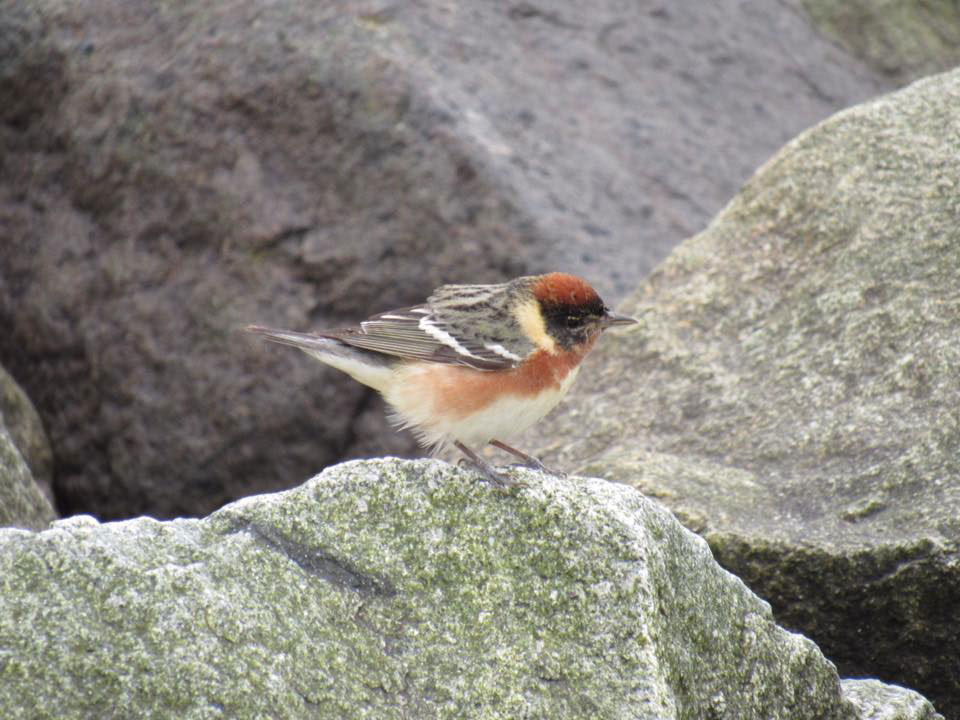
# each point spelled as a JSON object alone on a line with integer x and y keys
{"x": 500, "y": 481}
{"x": 539, "y": 466}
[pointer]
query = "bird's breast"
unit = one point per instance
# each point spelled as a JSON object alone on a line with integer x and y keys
{"x": 458, "y": 390}
{"x": 452, "y": 402}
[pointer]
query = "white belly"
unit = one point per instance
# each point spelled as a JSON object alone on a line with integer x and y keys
{"x": 509, "y": 416}
{"x": 505, "y": 417}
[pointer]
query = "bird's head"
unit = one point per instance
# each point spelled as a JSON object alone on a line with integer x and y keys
{"x": 561, "y": 312}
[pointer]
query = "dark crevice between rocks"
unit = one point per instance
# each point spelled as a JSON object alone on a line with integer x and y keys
{"x": 858, "y": 609}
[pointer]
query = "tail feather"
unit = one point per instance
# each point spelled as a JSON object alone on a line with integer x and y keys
{"x": 373, "y": 369}
{"x": 304, "y": 341}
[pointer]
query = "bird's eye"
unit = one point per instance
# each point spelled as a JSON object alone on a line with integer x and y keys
{"x": 574, "y": 321}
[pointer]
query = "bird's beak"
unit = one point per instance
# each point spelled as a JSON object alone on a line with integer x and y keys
{"x": 611, "y": 319}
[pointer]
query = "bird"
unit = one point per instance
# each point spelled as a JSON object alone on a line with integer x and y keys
{"x": 474, "y": 363}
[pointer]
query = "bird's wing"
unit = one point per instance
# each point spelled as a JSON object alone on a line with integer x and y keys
{"x": 424, "y": 333}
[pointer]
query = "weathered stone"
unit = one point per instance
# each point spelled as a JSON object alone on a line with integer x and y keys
{"x": 25, "y": 460}
{"x": 903, "y": 40}
{"x": 397, "y": 588}
{"x": 877, "y": 701}
{"x": 22, "y": 504}
{"x": 794, "y": 395}
{"x": 26, "y": 430}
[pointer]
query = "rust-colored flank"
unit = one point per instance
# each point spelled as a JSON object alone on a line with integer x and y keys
{"x": 462, "y": 390}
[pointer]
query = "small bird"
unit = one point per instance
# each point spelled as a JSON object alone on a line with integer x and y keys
{"x": 474, "y": 363}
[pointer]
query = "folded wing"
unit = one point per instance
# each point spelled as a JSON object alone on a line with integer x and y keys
{"x": 419, "y": 333}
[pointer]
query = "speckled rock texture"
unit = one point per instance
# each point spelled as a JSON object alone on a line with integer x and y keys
{"x": 25, "y": 427}
{"x": 400, "y": 589}
{"x": 902, "y": 40}
{"x": 170, "y": 172}
{"x": 23, "y": 502}
{"x": 794, "y": 395}
{"x": 877, "y": 701}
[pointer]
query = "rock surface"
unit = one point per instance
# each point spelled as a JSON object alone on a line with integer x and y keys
{"x": 795, "y": 396}
{"x": 902, "y": 40}
{"x": 174, "y": 171}
{"x": 400, "y": 589}
{"x": 26, "y": 430}
{"x": 24, "y": 461}
{"x": 22, "y": 503}
{"x": 877, "y": 701}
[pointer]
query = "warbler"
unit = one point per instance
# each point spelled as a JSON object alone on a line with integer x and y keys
{"x": 475, "y": 363}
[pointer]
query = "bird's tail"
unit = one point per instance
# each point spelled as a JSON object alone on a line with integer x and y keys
{"x": 304, "y": 341}
{"x": 370, "y": 368}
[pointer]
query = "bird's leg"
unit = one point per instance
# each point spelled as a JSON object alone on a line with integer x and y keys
{"x": 528, "y": 460}
{"x": 486, "y": 469}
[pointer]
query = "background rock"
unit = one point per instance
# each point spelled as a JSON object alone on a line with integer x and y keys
{"x": 23, "y": 502}
{"x": 877, "y": 701}
{"x": 402, "y": 589}
{"x": 795, "y": 396}
{"x": 903, "y": 41}
{"x": 172, "y": 172}
{"x": 26, "y": 431}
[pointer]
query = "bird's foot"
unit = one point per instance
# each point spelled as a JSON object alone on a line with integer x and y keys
{"x": 537, "y": 465}
{"x": 489, "y": 473}
{"x": 498, "y": 479}
{"x": 529, "y": 461}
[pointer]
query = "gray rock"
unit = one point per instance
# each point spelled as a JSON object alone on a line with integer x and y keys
{"x": 22, "y": 503}
{"x": 26, "y": 430}
{"x": 173, "y": 172}
{"x": 903, "y": 40}
{"x": 877, "y": 701}
{"x": 25, "y": 461}
{"x": 393, "y": 589}
{"x": 794, "y": 394}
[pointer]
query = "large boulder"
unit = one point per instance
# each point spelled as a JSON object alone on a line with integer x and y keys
{"x": 174, "y": 171}
{"x": 794, "y": 396}
{"x": 404, "y": 589}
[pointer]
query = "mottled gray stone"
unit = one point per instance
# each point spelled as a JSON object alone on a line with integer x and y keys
{"x": 26, "y": 429}
{"x": 903, "y": 40}
{"x": 389, "y": 589}
{"x": 24, "y": 460}
{"x": 794, "y": 392}
{"x": 877, "y": 701}
{"x": 22, "y": 503}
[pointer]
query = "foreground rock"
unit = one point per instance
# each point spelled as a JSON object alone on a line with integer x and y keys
{"x": 794, "y": 395}
{"x": 396, "y": 589}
